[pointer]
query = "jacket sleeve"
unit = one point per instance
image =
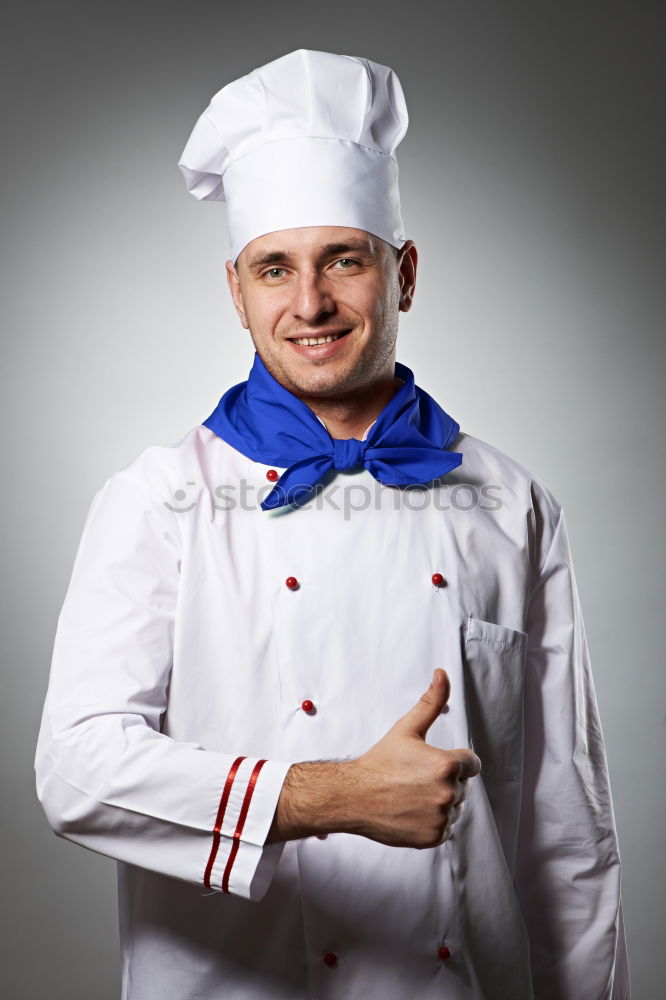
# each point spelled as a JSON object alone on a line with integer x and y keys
{"x": 108, "y": 778}
{"x": 568, "y": 870}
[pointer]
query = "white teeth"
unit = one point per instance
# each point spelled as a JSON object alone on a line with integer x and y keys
{"x": 313, "y": 341}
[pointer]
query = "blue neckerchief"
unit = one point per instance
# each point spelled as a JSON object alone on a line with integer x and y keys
{"x": 267, "y": 423}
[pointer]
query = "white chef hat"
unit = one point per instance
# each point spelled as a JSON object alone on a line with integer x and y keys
{"x": 306, "y": 140}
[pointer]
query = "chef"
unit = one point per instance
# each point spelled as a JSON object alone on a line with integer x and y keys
{"x": 293, "y": 637}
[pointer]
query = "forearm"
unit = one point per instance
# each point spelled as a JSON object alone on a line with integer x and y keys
{"x": 567, "y": 876}
{"x": 317, "y": 797}
{"x": 135, "y": 795}
{"x": 400, "y": 792}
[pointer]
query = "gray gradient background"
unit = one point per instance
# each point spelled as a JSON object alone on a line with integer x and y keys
{"x": 532, "y": 182}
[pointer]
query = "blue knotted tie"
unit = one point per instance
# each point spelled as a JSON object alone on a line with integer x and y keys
{"x": 406, "y": 444}
{"x": 347, "y": 453}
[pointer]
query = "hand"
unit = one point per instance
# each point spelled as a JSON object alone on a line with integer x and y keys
{"x": 401, "y": 792}
{"x": 413, "y": 793}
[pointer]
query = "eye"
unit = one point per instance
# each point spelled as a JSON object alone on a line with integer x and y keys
{"x": 346, "y": 263}
{"x": 274, "y": 272}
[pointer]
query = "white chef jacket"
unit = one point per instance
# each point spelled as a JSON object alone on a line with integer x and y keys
{"x": 181, "y": 665}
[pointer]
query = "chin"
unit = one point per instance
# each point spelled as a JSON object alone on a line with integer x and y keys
{"x": 317, "y": 386}
{"x": 315, "y": 376}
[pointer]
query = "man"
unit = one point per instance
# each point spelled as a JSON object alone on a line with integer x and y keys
{"x": 247, "y": 696}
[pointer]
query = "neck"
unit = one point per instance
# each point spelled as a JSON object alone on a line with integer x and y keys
{"x": 350, "y": 416}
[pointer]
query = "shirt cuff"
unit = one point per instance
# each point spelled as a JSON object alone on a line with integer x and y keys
{"x": 240, "y": 862}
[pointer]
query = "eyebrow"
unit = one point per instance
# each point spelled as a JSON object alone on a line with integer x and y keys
{"x": 351, "y": 245}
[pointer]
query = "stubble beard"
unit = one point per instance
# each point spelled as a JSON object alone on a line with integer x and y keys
{"x": 367, "y": 371}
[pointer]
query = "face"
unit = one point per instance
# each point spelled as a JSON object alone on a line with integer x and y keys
{"x": 322, "y": 305}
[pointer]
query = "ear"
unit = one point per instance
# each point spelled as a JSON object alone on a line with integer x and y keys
{"x": 235, "y": 289}
{"x": 407, "y": 262}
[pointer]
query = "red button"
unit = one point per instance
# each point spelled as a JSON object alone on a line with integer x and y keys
{"x": 330, "y": 959}
{"x": 292, "y": 582}
{"x": 307, "y": 705}
{"x": 272, "y": 475}
{"x": 438, "y": 579}
{"x": 444, "y": 953}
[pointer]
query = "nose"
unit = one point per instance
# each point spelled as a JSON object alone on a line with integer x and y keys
{"x": 312, "y": 299}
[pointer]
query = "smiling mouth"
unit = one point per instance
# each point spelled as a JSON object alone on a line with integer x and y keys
{"x": 316, "y": 341}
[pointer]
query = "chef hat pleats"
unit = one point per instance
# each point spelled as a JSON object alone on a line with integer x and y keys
{"x": 306, "y": 140}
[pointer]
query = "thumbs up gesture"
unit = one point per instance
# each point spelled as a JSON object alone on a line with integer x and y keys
{"x": 412, "y": 792}
{"x": 401, "y": 792}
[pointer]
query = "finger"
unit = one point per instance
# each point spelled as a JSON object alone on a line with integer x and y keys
{"x": 462, "y": 787}
{"x": 419, "y": 719}
{"x": 469, "y": 764}
{"x": 448, "y": 832}
{"x": 456, "y": 813}
{"x": 460, "y": 793}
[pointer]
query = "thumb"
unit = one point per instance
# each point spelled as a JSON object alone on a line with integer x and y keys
{"x": 420, "y": 718}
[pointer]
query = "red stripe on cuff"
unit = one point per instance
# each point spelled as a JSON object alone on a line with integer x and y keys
{"x": 241, "y": 823}
{"x": 220, "y": 817}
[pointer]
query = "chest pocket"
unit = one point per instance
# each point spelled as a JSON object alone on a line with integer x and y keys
{"x": 494, "y": 667}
